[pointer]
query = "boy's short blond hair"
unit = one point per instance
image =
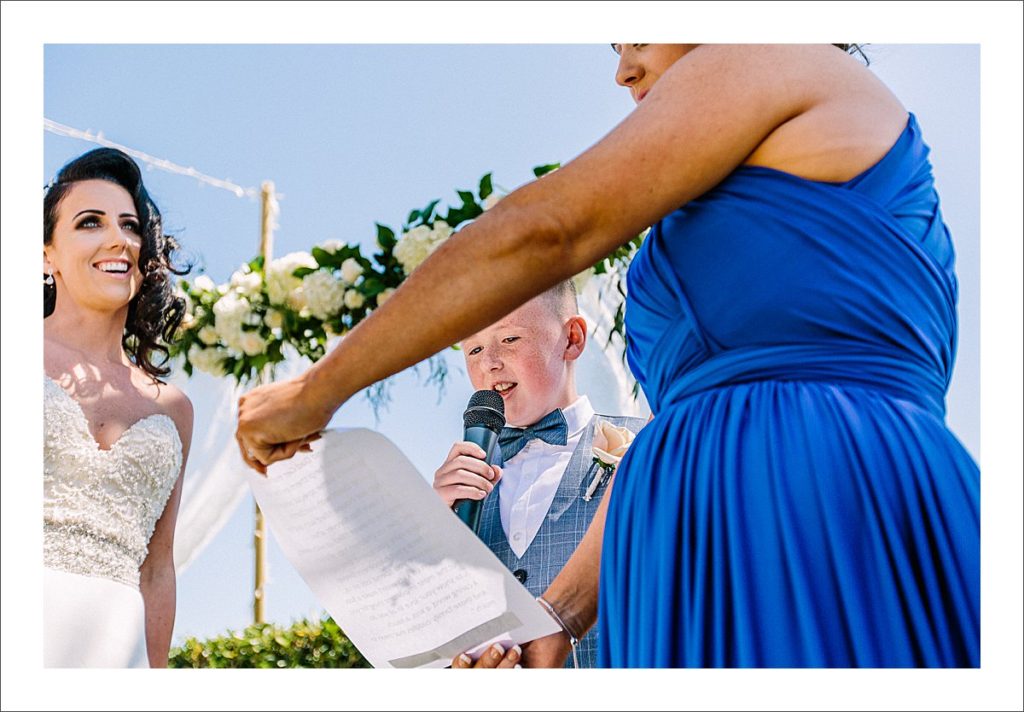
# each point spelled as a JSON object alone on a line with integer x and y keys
{"x": 562, "y": 299}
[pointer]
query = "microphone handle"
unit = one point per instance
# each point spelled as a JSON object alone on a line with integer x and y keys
{"x": 468, "y": 510}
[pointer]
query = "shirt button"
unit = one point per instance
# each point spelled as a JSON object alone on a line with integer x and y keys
{"x": 517, "y": 536}
{"x": 520, "y": 575}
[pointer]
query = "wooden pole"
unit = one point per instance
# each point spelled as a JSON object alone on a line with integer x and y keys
{"x": 267, "y": 210}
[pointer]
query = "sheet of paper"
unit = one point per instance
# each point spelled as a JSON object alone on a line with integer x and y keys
{"x": 405, "y": 579}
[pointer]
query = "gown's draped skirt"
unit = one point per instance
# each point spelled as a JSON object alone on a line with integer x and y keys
{"x": 808, "y": 530}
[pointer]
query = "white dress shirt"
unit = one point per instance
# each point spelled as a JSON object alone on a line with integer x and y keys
{"x": 531, "y": 477}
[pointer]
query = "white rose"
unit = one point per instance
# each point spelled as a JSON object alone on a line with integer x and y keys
{"x": 208, "y": 335}
{"x": 351, "y": 270}
{"x": 246, "y": 283}
{"x": 354, "y": 299}
{"x": 231, "y": 335}
{"x": 274, "y": 319}
{"x": 252, "y": 343}
{"x": 204, "y": 283}
{"x": 385, "y": 295}
{"x": 207, "y": 360}
{"x": 283, "y": 287}
{"x": 611, "y": 442}
{"x": 332, "y": 245}
{"x": 323, "y": 294}
{"x": 491, "y": 200}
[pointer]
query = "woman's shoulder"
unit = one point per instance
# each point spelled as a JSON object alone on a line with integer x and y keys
{"x": 169, "y": 400}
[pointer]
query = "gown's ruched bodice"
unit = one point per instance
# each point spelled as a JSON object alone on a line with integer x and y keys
{"x": 100, "y": 507}
{"x": 773, "y": 276}
{"x": 798, "y": 499}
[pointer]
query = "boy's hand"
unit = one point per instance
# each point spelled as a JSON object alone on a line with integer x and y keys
{"x": 464, "y": 475}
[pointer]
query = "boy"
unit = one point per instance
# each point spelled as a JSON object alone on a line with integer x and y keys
{"x": 538, "y": 509}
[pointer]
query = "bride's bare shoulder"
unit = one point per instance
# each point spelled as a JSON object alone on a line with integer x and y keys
{"x": 170, "y": 400}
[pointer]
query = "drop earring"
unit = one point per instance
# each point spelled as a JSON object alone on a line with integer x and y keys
{"x": 49, "y": 293}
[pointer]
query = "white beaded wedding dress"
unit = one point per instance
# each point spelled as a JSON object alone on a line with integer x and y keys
{"x": 100, "y": 508}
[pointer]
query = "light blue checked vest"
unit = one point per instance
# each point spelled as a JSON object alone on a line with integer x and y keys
{"x": 563, "y": 527}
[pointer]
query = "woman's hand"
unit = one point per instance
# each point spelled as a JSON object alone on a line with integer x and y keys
{"x": 547, "y": 652}
{"x": 277, "y": 420}
{"x": 493, "y": 657}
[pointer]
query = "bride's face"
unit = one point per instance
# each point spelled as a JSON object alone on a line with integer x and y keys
{"x": 641, "y": 65}
{"x": 94, "y": 253}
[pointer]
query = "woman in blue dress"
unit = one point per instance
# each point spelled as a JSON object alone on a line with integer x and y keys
{"x": 798, "y": 499}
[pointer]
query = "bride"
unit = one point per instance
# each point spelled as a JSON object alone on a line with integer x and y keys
{"x": 116, "y": 437}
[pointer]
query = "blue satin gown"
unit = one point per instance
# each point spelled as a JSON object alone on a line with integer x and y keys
{"x": 798, "y": 500}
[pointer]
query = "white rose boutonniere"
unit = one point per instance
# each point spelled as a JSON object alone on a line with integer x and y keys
{"x": 610, "y": 444}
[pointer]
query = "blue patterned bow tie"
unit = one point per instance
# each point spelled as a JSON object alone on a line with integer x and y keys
{"x": 552, "y": 429}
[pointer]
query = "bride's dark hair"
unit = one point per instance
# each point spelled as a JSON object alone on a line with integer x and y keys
{"x": 155, "y": 312}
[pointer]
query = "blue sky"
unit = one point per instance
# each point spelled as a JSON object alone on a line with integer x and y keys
{"x": 353, "y": 134}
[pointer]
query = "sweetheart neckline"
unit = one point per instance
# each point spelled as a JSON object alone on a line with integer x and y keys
{"x": 121, "y": 437}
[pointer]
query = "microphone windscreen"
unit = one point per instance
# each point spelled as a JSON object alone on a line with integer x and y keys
{"x": 485, "y": 408}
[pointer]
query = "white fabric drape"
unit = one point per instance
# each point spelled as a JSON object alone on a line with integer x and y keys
{"x": 214, "y": 476}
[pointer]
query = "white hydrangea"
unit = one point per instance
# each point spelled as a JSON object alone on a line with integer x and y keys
{"x": 441, "y": 232}
{"x": 385, "y": 295}
{"x": 231, "y": 311}
{"x": 231, "y": 308}
{"x": 491, "y": 200}
{"x": 354, "y": 299}
{"x": 204, "y": 283}
{"x": 283, "y": 287}
{"x": 246, "y": 283}
{"x": 323, "y": 293}
{"x": 207, "y": 360}
{"x": 273, "y": 319}
{"x": 351, "y": 270}
{"x": 413, "y": 247}
{"x": 417, "y": 245}
{"x": 252, "y": 344}
{"x": 208, "y": 335}
{"x": 332, "y": 245}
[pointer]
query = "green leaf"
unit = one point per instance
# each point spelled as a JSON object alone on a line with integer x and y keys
{"x": 467, "y": 198}
{"x": 322, "y": 256}
{"x": 303, "y": 271}
{"x": 543, "y": 170}
{"x": 428, "y": 211}
{"x": 485, "y": 186}
{"x": 385, "y": 236}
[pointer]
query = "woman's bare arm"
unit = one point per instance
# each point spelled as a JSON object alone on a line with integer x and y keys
{"x": 704, "y": 117}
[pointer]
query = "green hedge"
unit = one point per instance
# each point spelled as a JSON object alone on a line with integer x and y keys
{"x": 305, "y": 644}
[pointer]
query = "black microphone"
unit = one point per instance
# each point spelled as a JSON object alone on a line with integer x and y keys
{"x": 483, "y": 420}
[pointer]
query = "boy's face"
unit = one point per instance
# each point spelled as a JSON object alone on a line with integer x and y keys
{"x": 526, "y": 358}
